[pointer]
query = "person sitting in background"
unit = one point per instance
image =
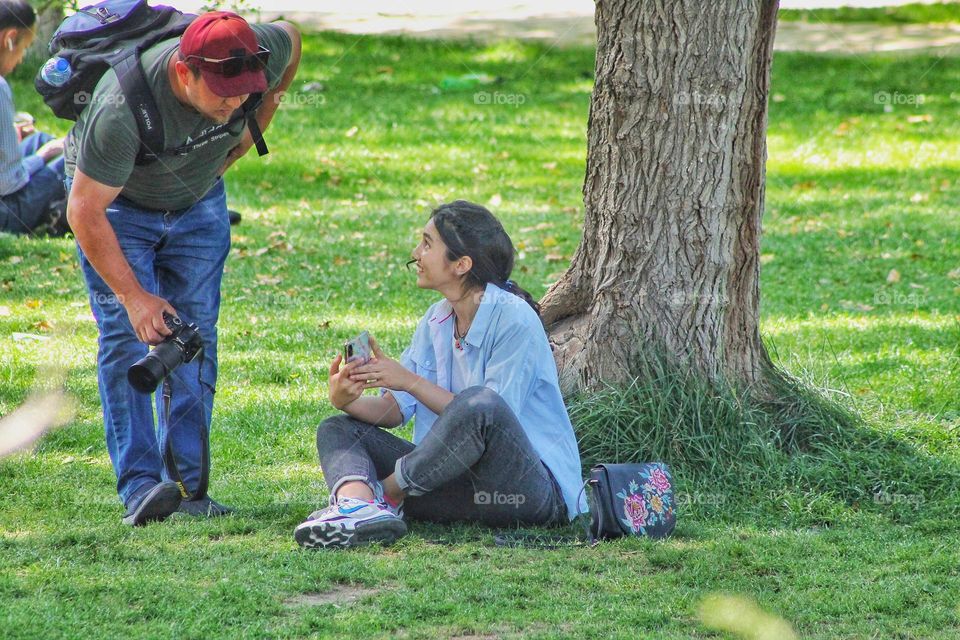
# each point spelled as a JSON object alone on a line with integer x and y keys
{"x": 32, "y": 196}
{"x": 492, "y": 442}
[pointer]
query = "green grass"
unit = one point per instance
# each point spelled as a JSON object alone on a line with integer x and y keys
{"x": 915, "y": 13}
{"x": 862, "y": 182}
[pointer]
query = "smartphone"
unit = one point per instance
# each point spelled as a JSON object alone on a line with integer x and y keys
{"x": 357, "y": 349}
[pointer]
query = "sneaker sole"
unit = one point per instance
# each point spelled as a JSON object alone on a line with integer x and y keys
{"x": 325, "y": 535}
{"x": 159, "y": 504}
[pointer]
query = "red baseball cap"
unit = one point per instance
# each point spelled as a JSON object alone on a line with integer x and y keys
{"x": 218, "y": 35}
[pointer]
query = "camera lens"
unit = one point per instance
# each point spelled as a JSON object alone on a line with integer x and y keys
{"x": 145, "y": 375}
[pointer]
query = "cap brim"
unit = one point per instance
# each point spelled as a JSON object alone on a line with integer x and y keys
{"x": 243, "y": 84}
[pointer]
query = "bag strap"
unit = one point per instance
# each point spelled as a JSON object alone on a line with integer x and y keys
{"x": 169, "y": 461}
{"x": 248, "y": 113}
{"x": 136, "y": 92}
{"x": 587, "y": 529}
{"x": 250, "y": 108}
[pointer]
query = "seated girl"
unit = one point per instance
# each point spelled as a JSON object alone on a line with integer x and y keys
{"x": 492, "y": 441}
{"x": 32, "y": 196}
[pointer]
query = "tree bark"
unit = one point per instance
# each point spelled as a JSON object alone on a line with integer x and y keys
{"x": 669, "y": 260}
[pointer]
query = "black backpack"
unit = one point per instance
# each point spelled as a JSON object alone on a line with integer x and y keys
{"x": 114, "y": 34}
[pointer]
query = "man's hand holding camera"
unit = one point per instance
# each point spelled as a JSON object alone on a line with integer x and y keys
{"x": 146, "y": 311}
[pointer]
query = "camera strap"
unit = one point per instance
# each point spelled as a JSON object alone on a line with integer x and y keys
{"x": 169, "y": 460}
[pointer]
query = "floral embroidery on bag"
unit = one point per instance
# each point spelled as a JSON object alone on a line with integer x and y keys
{"x": 648, "y": 503}
{"x": 636, "y": 510}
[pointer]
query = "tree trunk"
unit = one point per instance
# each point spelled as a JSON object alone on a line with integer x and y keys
{"x": 669, "y": 263}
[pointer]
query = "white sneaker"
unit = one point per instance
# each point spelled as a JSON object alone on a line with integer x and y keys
{"x": 349, "y": 523}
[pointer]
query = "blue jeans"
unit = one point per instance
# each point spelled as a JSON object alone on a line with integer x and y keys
{"x": 178, "y": 256}
{"x": 476, "y": 464}
{"x": 25, "y": 209}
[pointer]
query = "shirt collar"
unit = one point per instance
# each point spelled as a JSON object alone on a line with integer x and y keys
{"x": 481, "y": 321}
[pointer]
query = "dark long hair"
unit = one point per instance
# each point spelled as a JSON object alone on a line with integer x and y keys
{"x": 471, "y": 230}
{"x": 17, "y": 13}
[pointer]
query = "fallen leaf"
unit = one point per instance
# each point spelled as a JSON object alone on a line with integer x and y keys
{"x": 5, "y": 311}
{"x": 893, "y": 276}
{"x": 15, "y": 259}
{"x": 352, "y": 131}
{"x": 268, "y": 280}
{"x": 954, "y": 275}
{"x": 550, "y": 241}
{"x": 34, "y": 304}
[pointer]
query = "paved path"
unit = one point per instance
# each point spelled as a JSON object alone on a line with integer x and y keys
{"x": 571, "y": 22}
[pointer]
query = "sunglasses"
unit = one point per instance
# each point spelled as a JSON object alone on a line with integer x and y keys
{"x": 232, "y": 67}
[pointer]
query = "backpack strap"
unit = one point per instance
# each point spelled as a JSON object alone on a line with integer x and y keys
{"x": 250, "y": 113}
{"x": 136, "y": 91}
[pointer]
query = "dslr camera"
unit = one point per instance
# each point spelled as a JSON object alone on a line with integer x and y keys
{"x": 180, "y": 347}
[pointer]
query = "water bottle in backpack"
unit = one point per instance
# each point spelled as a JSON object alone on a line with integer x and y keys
{"x": 56, "y": 71}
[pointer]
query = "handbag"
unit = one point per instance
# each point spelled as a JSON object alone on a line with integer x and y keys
{"x": 631, "y": 499}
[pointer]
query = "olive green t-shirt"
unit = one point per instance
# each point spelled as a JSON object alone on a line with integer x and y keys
{"x": 105, "y": 140}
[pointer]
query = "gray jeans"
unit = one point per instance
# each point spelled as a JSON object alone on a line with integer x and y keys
{"x": 475, "y": 464}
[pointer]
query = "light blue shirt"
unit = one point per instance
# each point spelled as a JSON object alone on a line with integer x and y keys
{"x": 506, "y": 349}
{"x": 15, "y": 170}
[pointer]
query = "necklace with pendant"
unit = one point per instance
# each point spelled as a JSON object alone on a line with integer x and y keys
{"x": 457, "y": 337}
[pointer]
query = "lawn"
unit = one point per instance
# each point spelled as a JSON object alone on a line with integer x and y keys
{"x": 861, "y": 267}
{"x": 911, "y": 13}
